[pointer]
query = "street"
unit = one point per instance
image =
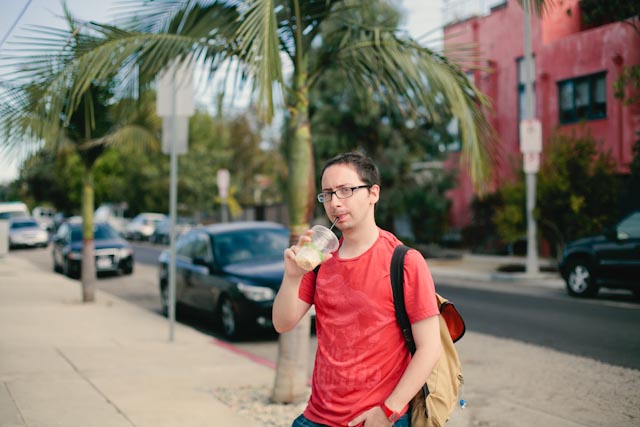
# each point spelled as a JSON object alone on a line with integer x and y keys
{"x": 604, "y": 329}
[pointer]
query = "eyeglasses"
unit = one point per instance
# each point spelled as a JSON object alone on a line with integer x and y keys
{"x": 341, "y": 193}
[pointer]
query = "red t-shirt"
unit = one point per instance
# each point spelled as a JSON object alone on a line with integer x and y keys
{"x": 361, "y": 353}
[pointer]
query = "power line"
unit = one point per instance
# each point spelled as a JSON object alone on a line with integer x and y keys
{"x": 6, "y": 36}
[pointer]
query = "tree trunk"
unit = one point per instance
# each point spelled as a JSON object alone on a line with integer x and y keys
{"x": 88, "y": 275}
{"x": 293, "y": 346}
{"x": 291, "y": 372}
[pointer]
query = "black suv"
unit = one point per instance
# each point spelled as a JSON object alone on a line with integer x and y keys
{"x": 611, "y": 260}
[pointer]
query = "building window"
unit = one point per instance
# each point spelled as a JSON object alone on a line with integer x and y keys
{"x": 521, "y": 94}
{"x": 582, "y": 98}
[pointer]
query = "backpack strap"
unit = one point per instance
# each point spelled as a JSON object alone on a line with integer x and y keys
{"x": 397, "y": 286}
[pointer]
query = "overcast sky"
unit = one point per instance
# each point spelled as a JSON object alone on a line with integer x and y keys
{"x": 422, "y": 16}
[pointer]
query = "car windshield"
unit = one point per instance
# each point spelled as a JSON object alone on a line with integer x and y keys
{"x": 100, "y": 232}
{"x": 11, "y": 214}
{"x": 629, "y": 228}
{"x": 23, "y": 224}
{"x": 250, "y": 245}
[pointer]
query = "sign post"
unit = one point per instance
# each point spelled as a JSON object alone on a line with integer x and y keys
{"x": 174, "y": 104}
{"x": 531, "y": 141}
{"x": 223, "y": 178}
{"x": 531, "y": 146}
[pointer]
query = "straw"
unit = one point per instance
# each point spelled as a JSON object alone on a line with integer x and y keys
{"x": 334, "y": 223}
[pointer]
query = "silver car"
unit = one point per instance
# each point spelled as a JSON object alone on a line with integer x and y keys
{"x": 25, "y": 232}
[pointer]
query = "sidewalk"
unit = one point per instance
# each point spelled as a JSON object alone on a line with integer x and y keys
{"x": 497, "y": 269}
{"x": 109, "y": 363}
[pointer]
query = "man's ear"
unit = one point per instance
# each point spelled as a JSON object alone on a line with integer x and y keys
{"x": 374, "y": 193}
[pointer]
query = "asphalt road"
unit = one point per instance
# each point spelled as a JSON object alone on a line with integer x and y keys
{"x": 605, "y": 329}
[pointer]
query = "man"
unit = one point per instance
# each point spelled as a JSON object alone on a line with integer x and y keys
{"x": 363, "y": 374}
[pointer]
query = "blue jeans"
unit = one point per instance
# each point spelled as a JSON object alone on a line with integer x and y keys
{"x": 301, "y": 421}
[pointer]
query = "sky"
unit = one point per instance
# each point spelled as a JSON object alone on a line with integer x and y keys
{"x": 422, "y": 16}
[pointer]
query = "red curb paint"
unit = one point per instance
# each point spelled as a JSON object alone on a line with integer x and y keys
{"x": 259, "y": 360}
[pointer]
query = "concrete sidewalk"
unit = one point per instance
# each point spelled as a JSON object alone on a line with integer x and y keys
{"x": 495, "y": 269}
{"x": 109, "y": 363}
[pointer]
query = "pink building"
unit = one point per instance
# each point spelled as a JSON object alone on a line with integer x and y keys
{"x": 575, "y": 68}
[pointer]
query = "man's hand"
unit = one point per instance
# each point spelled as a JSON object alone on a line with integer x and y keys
{"x": 291, "y": 268}
{"x": 373, "y": 417}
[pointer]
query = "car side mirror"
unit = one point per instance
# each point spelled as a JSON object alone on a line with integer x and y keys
{"x": 203, "y": 262}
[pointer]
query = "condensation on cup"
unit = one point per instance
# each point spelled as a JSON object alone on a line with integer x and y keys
{"x": 323, "y": 242}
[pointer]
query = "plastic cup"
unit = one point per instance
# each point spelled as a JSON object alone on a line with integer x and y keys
{"x": 323, "y": 242}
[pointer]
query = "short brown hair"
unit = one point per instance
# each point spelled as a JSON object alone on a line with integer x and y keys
{"x": 364, "y": 166}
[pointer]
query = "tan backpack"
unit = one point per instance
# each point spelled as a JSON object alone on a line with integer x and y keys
{"x": 433, "y": 405}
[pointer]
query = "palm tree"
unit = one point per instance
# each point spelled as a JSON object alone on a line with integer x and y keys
{"x": 248, "y": 40}
{"x": 32, "y": 113}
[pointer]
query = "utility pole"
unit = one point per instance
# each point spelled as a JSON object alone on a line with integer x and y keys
{"x": 530, "y": 143}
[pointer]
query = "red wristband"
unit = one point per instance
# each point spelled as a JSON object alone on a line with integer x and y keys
{"x": 389, "y": 413}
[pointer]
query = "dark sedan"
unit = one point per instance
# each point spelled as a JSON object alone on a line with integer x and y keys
{"x": 611, "y": 260}
{"x": 229, "y": 271}
{"x": 113, "y": 254}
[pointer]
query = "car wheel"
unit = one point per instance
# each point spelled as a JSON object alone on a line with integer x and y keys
{"x": 65, "y": 268}
{"x": 164, "y": 299}
{"x": 580, "y": 280}
{"x": 128, "y": 269}
{"x": 227, "y": 319}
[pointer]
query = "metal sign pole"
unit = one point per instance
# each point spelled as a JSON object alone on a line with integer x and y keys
{"x": 175, "y": 108}
{"x": 223, "y": 178}
{"x": 173, "y": 196}
{"x": 532, "y": 245}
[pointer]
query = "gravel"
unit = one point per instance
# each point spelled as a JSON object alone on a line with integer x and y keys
{"x": 254, "y": 402}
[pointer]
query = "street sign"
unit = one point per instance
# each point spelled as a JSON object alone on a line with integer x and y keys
{"x": 223, "y": 183}
{"x": 531, "y": 162}
{"x": 178, "y": 78}
{"x": 530, "y": 136}
{"x": 181, "y": 134}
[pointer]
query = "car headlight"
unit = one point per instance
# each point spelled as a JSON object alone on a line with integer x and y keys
{"x": 124, "y": 252}
{"x": 256, "y": 293}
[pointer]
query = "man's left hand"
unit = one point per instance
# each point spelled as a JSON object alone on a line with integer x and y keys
{"x": 373, "y": 417}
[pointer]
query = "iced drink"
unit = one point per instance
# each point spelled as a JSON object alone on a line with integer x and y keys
{"x": 323, "y": 242}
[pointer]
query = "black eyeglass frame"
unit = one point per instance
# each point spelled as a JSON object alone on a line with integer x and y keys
{"x": 320, "y": 196}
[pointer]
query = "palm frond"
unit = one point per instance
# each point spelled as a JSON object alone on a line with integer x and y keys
{"x": 417, "y": 79}
{"x": 540, "y": 7}
{"x": 260, "y": 49}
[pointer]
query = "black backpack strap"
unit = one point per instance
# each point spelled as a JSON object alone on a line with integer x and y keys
{"x": 397, "y": 286}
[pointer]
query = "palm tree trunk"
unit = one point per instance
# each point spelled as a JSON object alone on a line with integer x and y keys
{"x": 293, "y": 346}
{"x": 88, "y": 275}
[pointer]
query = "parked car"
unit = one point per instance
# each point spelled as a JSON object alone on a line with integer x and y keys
{"x": 113, "y": 254}
{"x": 611, "y": 260}
{"x": 229, "y": 271}
{"x": 44, "y": 217}
{"x": 113, "y": 214}
{"x": 26, "y": 232}
{"x": 143, "y": 225}
{"x": 161, "y": 233}
{"x": 10, "y": 210}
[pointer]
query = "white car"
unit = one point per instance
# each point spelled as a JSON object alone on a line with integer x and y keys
{"x": 142, "y": 226}
{"x": 25, "y": 232}
{"x": 10, "y": 210}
